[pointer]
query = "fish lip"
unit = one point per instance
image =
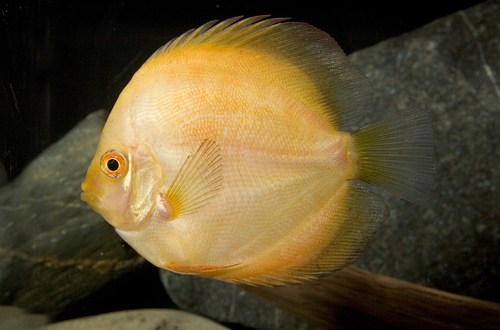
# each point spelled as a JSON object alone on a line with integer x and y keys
{"x": 91, "y": 200}
{"x": 84, "y": 197}
{"x": 84, "y": 194}
{"x": 87, "y": 196}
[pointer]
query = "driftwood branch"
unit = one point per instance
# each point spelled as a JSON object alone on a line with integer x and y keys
{"x": 354, "y": 298}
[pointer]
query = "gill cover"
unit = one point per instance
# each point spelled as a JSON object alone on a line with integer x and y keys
{"x": 135, "y": 180}
{"x": 146, "y": 181}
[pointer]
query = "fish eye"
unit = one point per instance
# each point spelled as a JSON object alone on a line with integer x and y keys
{"x": 114, "y": 164}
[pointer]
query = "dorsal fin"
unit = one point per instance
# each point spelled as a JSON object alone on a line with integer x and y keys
{"x": 229, "y": 33}
{"x": 342, "y": 89}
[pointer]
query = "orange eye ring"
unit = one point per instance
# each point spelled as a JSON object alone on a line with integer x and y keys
{"x": 114, "y": 164}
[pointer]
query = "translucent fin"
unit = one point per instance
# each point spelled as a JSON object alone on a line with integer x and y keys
{"x": 355, "y": 218}
{"x": 198, "y": 180}
{"x": 228, "y": 32}
{"x": 358, "y": 218}
{"x": 343, "y": 93}
{"x": 397, "y": 155}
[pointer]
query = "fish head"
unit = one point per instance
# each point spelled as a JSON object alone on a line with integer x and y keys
{"x": 122, "y": 184}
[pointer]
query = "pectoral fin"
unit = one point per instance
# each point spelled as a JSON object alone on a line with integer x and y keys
{"x": 198, "y": 181}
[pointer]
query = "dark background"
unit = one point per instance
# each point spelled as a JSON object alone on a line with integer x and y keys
{"x": 61, "y": 60}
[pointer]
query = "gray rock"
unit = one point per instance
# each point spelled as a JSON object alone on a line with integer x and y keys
{"x": 55, "y": 250}
{"x": 144, "y": 319}
{"x": 226, "y": 302}
{"x": 14, "y": 318}
{"x": 452, "y": 68}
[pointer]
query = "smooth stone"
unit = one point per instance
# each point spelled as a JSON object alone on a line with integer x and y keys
{"x": 14, "y": 318}
{"x": 143, "y": 319}
{"x": 54, "y": 249}
{"x": 226, "y": 302}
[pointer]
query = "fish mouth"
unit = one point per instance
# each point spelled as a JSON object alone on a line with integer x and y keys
{"x": 86, "y": 195}
{"x": 91, "y": 199}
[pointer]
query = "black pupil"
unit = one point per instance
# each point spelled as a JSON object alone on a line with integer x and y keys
{"x": 113, "y": 165}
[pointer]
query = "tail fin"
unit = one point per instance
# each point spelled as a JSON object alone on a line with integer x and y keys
{"x": 397, "y": 155}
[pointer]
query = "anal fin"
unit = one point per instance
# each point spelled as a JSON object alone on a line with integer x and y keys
{"x": 343, "y": 230}
{"x": 358, "y": 218}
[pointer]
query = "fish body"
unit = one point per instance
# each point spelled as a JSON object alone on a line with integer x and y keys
{"x": 226, "y": 156}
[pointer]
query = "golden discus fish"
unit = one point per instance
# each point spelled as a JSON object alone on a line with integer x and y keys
{"x": 226, "y": 155}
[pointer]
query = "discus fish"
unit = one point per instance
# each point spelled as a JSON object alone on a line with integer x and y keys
{"x": 227, "y": 155}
